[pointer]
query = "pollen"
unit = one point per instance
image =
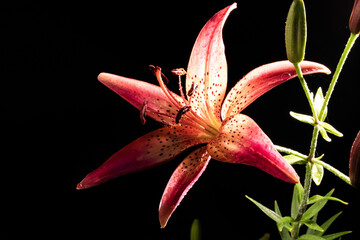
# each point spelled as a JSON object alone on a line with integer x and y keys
{"x": 181, "y": 112}
{"x": 143, "y": 112}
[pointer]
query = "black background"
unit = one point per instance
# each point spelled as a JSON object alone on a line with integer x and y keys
{"x": 60, "y": 123}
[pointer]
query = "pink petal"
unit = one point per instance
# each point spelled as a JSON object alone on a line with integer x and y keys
{"x": 262, "y": 79}
{"x": 208, "y": 68}
{"x": 149, "y": 150}
{"x": 137, "y": 92}
{"x": 242, "y": 141}
{"x": 183, "y": 178}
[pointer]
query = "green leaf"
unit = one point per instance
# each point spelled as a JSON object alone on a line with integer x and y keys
{"x": 303, "y": 118}
{"x": 270, "y": 213}
{"x": 318, "y": 103}
{"x": 312, "y": 224}
{"x": 331, "y": 129}
{"x": 285, "y": 223}
{"x": 316, "y": 198}
{"x": 311, "y": 231}
{"x": 296, "y": 199}
{"x": 324, "y": 134}
{"x": 314, "y": 209}
{"x": 335, "y": 235}
{"x": 284, "y": 233}
{"x": 310, "y": 237}
{"x": 195, "y": 232}
{"x": 328, "y": 223}
{"x": 277, "y": 209}
{"x": 265, "y": 237}
{"x": 292, "y": 159}
{"x": 317, "y": 173}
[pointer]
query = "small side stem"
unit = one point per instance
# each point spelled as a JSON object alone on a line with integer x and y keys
{"x": 333, "y": 170}
{"x": 306, "y": 90}
{"x": 290, "y": 151}
{"x": 339, "y": 67}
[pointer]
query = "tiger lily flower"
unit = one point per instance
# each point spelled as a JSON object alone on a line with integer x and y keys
{"x": 200, "y": 118}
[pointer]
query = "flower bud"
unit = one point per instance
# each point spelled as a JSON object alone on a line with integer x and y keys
{"x": 354, "y": 22}
{"x": 295, "y": 32}
{"x": 354, "y": 164}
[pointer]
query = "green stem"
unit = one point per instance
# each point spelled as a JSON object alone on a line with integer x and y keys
{"x": 306, "y": 90}
{"x": 339, "y": 67}
{"x": 307, "y": 181}
{"x": 333, "y": 170}
{"x": 307, "y": 185}
{"x": 290, "y": 151}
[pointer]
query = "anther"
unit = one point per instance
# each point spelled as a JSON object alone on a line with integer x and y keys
{"x": 178, "y": 71}
{"x": 192, "y": 89}
{"x": 143, "y": 112}
{"x": 181, "y": 112}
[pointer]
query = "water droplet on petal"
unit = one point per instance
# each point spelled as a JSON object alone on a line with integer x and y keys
{"x": 285, "y": 76}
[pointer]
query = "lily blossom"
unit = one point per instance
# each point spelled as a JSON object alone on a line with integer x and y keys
{"x": 204, "y": 118}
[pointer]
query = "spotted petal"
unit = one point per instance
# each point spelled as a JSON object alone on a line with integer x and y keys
{"x": 149, "y": 150}
{"x": 137, "y": 92}
{"x": 262, "y": 79}
{"x": 242, "y": 141}
{"x": 183, "y": 178}
{"x": 208, "y": 68}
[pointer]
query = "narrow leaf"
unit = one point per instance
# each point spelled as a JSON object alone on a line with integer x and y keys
{"x": 295, "y": 202}
{"x": 292, "y": 159}
{"x": 270, "y": 213}
{"x": 324, "y": 134}
{"x": 335, "y": 235}
{"x": 284, "y": 233}
{"x": 311, "y": 231}
{"x": 317, "y": 173}
{"x": 310, "y": 237}
{"x": 318, "y": 102}
{"x": 265, "y": 237}
{"x": 284, "y": 223}
{"x": 314, "y": 209}
{"x": 195, "y": 232}
{"x": 331, "y": 129}
{"x": 277, "y": 209}
{"x": 313, "y": 225}
{"x": 328, "y": 223}
{"x": 303, "y": 118}
{"x": 316, "y": 198}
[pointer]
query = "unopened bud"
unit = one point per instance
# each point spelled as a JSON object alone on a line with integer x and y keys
{"x": 354, "y": 164}
{"x": 295, "y": 32}
{"x": 354, "y": 22}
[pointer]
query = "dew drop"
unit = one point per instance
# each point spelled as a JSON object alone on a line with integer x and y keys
{"x": 285, "y": 76}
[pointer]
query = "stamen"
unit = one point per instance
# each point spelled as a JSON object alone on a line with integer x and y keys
{"x": 180, "y": 72}
{"x": 143, "y": 112}
{"x": 192, "y": 89}
{"x": 166, "y": 91}
{"x": 181, "y": 112}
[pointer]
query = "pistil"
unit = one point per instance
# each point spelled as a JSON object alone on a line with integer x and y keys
{"x": 185, "y": 113}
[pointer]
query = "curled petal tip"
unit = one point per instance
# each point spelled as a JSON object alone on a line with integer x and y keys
{"x": 309, "y": 67}
{"x": 81, "y": 186}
